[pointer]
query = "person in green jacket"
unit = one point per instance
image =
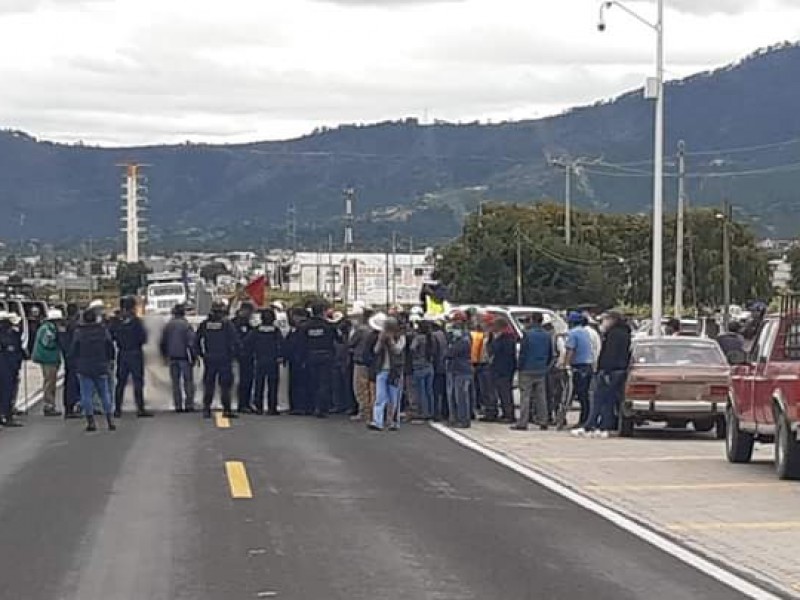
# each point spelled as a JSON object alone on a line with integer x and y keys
{"x": 47, "y": 354}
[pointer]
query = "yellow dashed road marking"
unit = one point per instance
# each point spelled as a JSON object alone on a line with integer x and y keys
{"x": 237, "y": 480}
{"x": 222, "y": 422}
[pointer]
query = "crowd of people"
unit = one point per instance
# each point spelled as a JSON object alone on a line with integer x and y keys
{"x": 379, "y": 368}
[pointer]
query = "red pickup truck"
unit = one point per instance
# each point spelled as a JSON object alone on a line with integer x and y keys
{"x": 765, "y": 402}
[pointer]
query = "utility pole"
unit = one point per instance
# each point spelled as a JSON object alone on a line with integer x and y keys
{"x": 679, "y": 237}
{"x": 519, "y": 268}
{"x": 349, "y": 199}
{"x": 394, "y": 267}
{"x": 727, "y": 216}
{"x": 291, "y": 227}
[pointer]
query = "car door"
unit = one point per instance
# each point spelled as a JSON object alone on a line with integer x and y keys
{"x": 743, "y": 377}
{"x": 763, "y": 383}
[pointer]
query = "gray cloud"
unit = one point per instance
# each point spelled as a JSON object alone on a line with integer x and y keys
{"x": 23, "y": 6}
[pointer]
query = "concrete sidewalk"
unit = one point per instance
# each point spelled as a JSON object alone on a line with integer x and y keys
{"x": 30, "y": 387}
{"x": 678, "y": 483}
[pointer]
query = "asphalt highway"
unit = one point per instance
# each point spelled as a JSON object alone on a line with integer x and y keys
{"x": 329, "y": 511}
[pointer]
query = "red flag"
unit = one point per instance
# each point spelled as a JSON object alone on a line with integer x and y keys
{"x": 257, "y": 291}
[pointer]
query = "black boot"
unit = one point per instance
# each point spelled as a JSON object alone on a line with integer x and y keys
{"x": 206, "y": 412}
{"x": 110, "y": 421}
{"x": 143, "y": 413}
{"x": 90, "y": 424}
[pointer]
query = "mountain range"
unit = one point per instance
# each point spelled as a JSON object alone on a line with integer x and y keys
{"x": 740, "y": 124}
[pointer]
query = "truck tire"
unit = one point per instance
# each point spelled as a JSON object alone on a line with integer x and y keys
{"x": 738, "y": 443}
{"x": 720, "y": 428}
{"x": 626, "y": 426}
{"x": 787, "y": 450}
{"x": 703, "y": 425}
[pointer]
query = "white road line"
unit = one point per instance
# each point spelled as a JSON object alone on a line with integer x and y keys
{"x": 653, "y": 538}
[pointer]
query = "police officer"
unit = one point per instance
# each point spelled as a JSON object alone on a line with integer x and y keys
{"x": 317, "y": 338}
{"x": 292, "y": 352}
{"x": 243, "y": 324}
{"x": 217, "y": 344}
{"x": 264, "y": 345}
{"x": 130, "y": 336}
{"x": 66, "y": 333}
{"x": 11, "y": 356}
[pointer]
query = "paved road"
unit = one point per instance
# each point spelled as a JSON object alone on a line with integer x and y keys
{"x": 337, "y": 513}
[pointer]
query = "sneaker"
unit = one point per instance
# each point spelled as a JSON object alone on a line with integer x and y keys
{"x": 373, "y": 427}
{"x": 273, "y": 413}
{"x": 117, "y": 413}
{"x": 144, "y": 414}
{"x": 603, "y": 435}
{"x": 51, "y": 411}
{"x": 518, "y": 428}
{"x": 579, "y": 432}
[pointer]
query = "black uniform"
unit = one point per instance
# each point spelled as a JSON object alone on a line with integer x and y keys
{"x": 129, "y": 336}
{"x": 218, "y": 344}
{"x": 264, "y": 345}
{"x": 11, "y": 356}
{"x": 298, "y": 396}
{"x": 317, "y": 338}
{"x": 244, "y": 397}
{"x": 66, "y": 333}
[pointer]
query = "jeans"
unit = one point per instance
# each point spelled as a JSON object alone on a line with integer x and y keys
{"x": 91, "y": 384}
{"x": 459, "y": 398}
{"x": 582, "y": 384}
{"x": 423, "y": 384}
{"x": 484, "y": 391}
{"x": 532, "y": 394}
{"x": 181, "y": 373}
{"x": 440, "y": 396}
{"x": 387, "y": 401}
{"x": 610, "y": 385}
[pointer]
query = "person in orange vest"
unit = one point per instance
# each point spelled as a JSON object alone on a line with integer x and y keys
{"x": 479, "y": 357}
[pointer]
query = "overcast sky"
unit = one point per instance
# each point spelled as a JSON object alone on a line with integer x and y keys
{"x": 147, "y": 71}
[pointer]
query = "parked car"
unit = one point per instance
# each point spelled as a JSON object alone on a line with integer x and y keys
{"x": 519, "y": 316}
{"x": 765, "y": 404}
{"x": 689, "y": 328}
{"x": 677, "y": 380}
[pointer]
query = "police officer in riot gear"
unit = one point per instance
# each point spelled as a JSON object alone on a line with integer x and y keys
{"x": 218, "y": 344}
{"x": 12, "y": 354}
{"x": 243, "y": 324}
{"x": 317, "y": 337}
{"x": 264, "y": 345}
{"x": 129, "y": 335}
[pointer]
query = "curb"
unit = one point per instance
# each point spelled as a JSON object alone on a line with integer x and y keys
{"x": 715, "y": 567}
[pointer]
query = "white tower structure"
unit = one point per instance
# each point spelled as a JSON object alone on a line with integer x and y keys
{"x": 135, "y": 198}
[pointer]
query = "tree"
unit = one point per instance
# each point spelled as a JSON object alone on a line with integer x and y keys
{"x": 609, "y": 263}
{"x": 131, "y": 277}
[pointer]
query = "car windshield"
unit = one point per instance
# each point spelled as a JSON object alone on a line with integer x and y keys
{"x": 523, "y": 319}
{"x": 678, "y": 354}
{"x": 167, "y": 290}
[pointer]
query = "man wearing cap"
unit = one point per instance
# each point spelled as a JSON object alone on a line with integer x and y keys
{"x": 317, "y": 338}
{"x": 71, "y": 388}
{"x": 177, "y": 347}
{"x": 503, "y": 350}
{"x": 130, "y": 337}
{"x": 243, "y": 324}
{"x": 11, "y": 356}
{"x": 535, "y": 358}
{"x": 580, "y": 358}
{"x": 47, "y": 354}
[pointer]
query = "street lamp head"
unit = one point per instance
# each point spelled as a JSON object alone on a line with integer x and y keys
{"x": 601, "y": 22}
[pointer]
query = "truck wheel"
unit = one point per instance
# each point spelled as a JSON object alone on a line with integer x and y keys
{"x": 626, "y": 426}
{"x": 720, "y": 428}
{"x": 787, "y": 450}
{"x": 703, "y": 425}
{"x": 738, "y": 443}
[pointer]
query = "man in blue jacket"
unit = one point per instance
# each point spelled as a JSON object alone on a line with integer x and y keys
{"x": 535, "y": 357}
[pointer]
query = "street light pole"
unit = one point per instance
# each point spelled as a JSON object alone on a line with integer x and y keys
{"x": 680, "y": 230}
{"x": 658, "y": 158}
